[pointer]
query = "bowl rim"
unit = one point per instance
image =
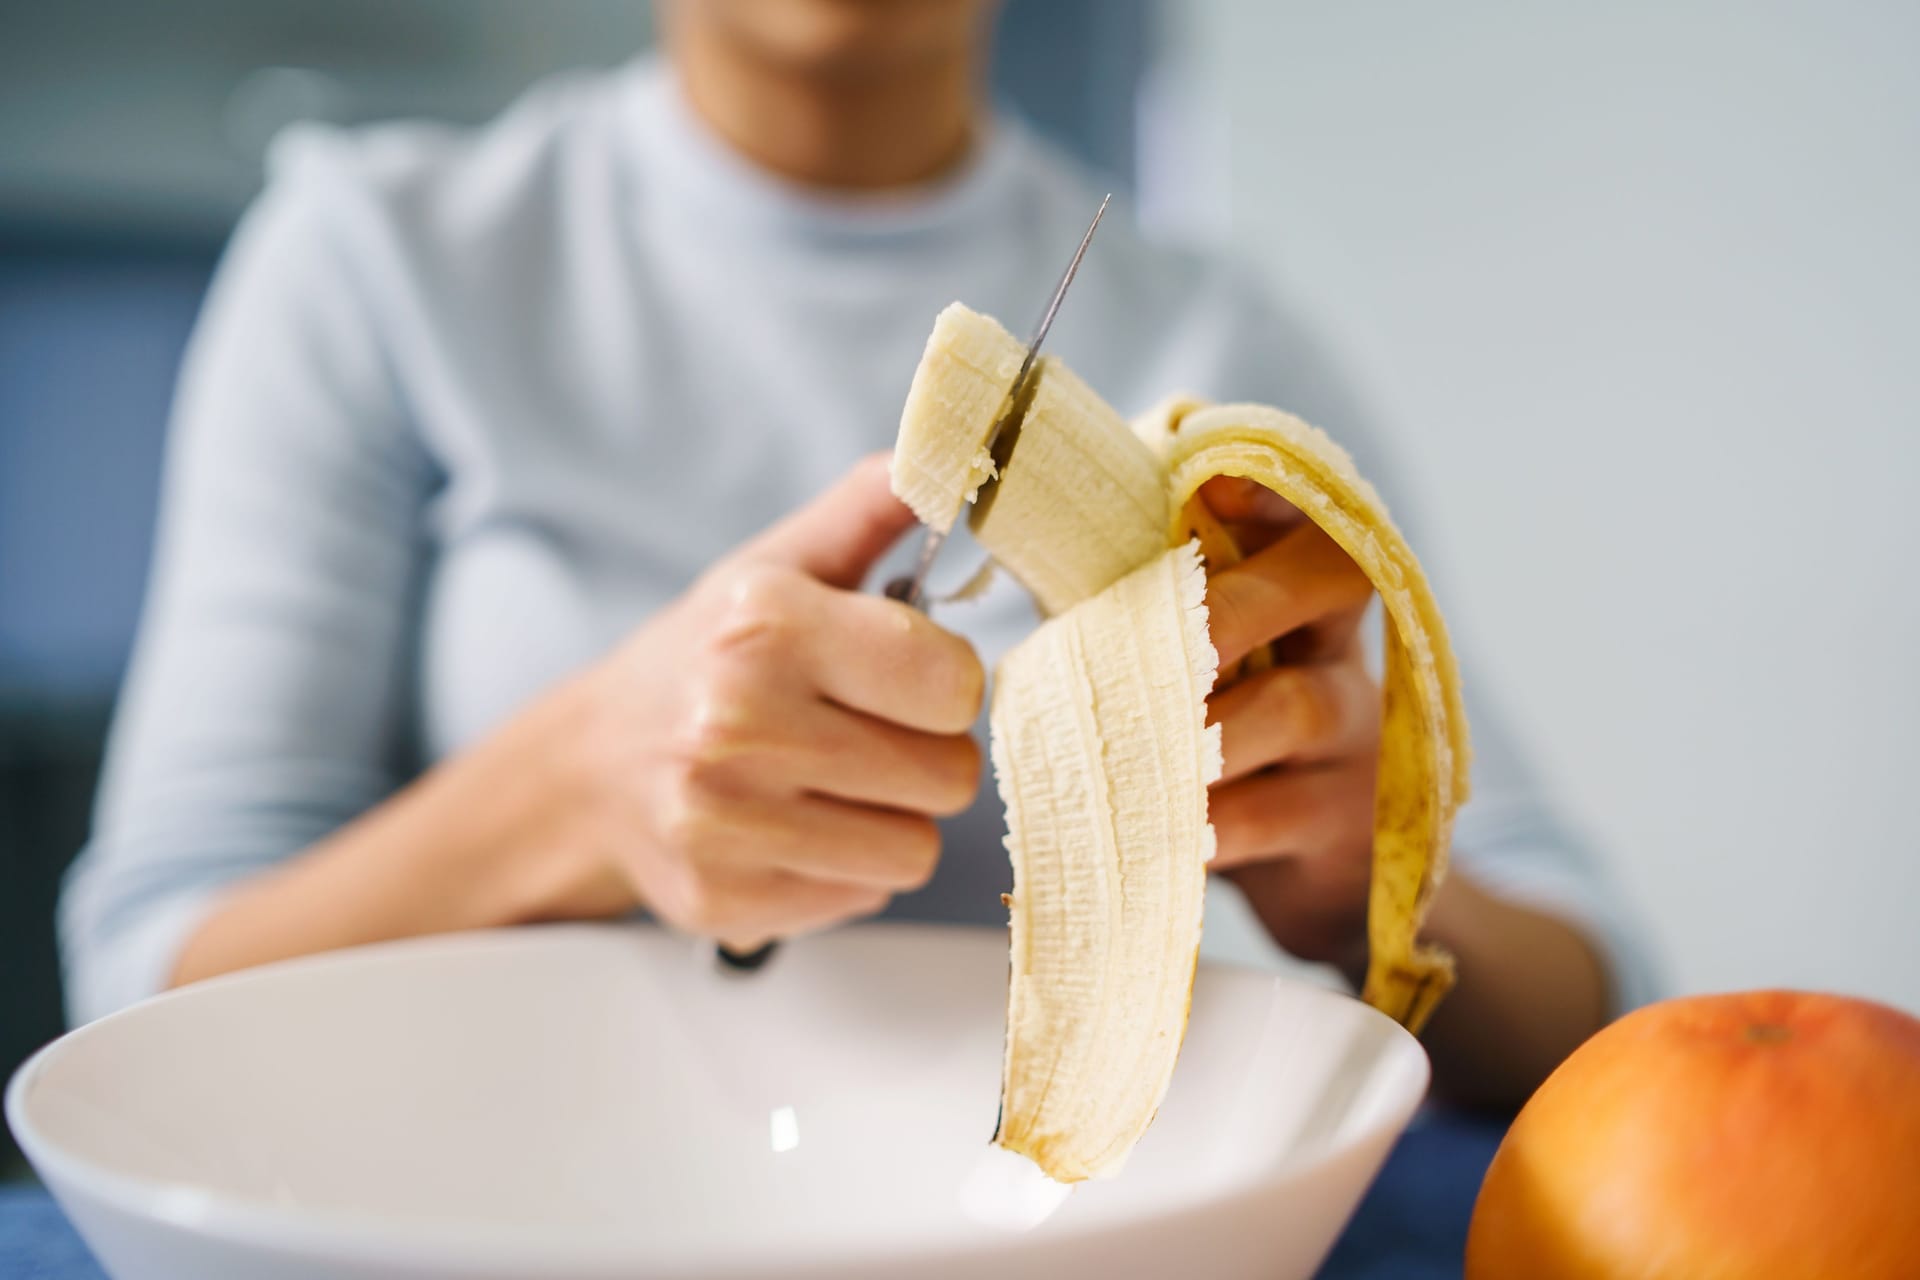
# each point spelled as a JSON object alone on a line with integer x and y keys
{"x": 352, "y": 1237}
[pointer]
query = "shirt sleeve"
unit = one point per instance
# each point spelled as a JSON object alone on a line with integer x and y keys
{"x": 265, "y": 703}
{"x": 1508, "y": 836}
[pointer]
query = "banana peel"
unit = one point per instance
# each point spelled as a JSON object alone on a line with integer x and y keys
{"x": 1425, "y": 753}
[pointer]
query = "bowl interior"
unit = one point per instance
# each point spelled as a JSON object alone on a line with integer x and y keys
{"x": 612, "y": 1081}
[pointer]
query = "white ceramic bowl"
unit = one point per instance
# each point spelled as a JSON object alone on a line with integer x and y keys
{"x": 581, "y": 1101}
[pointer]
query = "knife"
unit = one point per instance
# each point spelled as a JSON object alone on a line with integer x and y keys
{"x": 911, "y": 589}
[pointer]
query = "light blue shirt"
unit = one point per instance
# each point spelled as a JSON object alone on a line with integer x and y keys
{"x": 464, "y": 407}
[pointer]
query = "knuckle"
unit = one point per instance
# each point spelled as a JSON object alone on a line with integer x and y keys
{"x": 758, "y": 608}
{"x": 717, "y": 728}
{"x": 688, "y": 820}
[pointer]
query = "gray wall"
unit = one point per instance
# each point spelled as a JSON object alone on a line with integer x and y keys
{"x": 1637, "y": 288}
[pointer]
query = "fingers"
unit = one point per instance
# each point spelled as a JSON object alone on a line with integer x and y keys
{"x": 793, "y": 744}
{"x": 838, "y": 536}
{"x": 1296, "y": 714}
{"x": 850, "y": 756}
{"x": 788, "y": 602}
{"x": 750, "y": 909}
{"x": 716, "y": 834}
{"x": 878, "y": 656}
{"x": 1236, "y": 498}
{"x": 1292, "y": 812}
{"x": 1334, "y": 637}
{"x": 740, "y": 865}
{"x": 815, "y": 838}
{"x": 1255, "y": 516}
{"x": 864, "y": 652}
{"x": 803, "y": 732}
{"x": 1299, "y": 580}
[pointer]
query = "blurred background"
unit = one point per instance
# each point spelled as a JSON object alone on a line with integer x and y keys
{"x": 1635, "y": 288}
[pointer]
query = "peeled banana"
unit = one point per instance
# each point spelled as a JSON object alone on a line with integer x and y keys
{"x": 1104, "y": 756}
{"x": 1073, "y": 468}
{"x": 1100, "y": 746}
{"x": 959, "y": 394}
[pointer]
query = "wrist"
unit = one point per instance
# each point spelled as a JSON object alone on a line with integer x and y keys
{"x": 514, "y": 827}
{"x": 492, "y": 837}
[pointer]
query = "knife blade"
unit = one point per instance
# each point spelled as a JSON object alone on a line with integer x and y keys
{"x": 911, "y": 589}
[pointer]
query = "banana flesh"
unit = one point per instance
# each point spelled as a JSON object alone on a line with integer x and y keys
{"x": 1100, "y": 748}
{"x": 959, "y": 394}
{"x": 1108, "y": 521}
{"x": 1103, "y": 755}
{"x": 1081, "y": 497}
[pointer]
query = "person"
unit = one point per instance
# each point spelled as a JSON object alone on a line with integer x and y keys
{"x": 470, "y": 605}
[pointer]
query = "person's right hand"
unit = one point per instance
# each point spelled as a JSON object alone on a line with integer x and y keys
{"x": 766, "y": 755}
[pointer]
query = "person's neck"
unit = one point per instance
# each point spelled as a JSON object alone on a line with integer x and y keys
{"x": 854, "y": 133}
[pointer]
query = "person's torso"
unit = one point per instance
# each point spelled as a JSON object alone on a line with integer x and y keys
{"x": 628, "y": 354}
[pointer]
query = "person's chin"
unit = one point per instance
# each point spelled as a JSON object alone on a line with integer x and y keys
{"x": 856, "y": 39}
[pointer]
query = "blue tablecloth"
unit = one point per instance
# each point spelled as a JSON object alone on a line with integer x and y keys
{"x": 1412, "y": 1225}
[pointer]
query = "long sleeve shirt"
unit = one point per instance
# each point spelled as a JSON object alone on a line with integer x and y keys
{"x": 464, "y": 407}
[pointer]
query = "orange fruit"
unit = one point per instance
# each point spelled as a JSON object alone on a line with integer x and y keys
{"x": 1765, "y": 1134}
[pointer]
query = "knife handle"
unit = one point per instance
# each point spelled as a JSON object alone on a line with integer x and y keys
{"x": 744, "y": 961}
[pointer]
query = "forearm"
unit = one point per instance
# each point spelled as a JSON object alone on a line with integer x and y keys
{"x": 1531, "y": 988}
{"x": 482, "y": 840}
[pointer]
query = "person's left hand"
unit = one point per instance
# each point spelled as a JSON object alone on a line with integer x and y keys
{"x": 1293, "y": 810}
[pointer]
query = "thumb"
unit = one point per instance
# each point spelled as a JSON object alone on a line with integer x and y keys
{"x": 837, "y": 537}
